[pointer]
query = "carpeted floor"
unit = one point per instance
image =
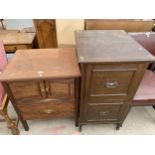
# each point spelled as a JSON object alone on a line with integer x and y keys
{"x": 140, "y": 120}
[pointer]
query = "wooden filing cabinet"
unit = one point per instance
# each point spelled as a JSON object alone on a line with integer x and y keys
{"x": 112, "y": 65}
{"x": 43, "y": 86}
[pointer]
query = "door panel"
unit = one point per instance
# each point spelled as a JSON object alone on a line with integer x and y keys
{"x": 27, "y": 89}
{"x": 63, "y": 89}
{"x": 46, "y": 33}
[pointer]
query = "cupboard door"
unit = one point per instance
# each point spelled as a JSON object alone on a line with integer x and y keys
{"x": 61, "y": 89}
{"x": 28, "y": 90}
{"x": 46, "y": 33}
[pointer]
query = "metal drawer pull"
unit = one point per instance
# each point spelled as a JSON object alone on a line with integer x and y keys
{"x": 42, "y": 90}
{"x": 47, "y": 89}
{"x": 111, "y": 84}
{"x": 104, "y": 113}
{"x": 49, "y": 111}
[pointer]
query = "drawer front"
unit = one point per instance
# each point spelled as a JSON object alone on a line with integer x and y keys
{"x": 102, "y": 112}
{"x": 27, "y": 90}
{"x": 109, "y": 82}
{"x": 13, "y": 48}
{"x": 62, "y": 89}
{"x": 46, "y": 110}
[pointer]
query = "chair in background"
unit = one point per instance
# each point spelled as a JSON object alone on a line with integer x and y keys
{"x": 3, "y": 96}
{"x": 145, "y": 95}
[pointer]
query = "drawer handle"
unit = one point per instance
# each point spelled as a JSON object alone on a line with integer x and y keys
{"x": 104, "y": 113}
{"x": 42, "y": 90}
{"x": 47, "y": 89}
{"x": 111, "y": 84}
{"x": 49, "y": 111}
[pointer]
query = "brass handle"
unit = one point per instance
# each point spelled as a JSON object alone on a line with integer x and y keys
{"x": 111, "y": 84}
{"x": 104, "y": 113}
{"x": 48, "y": 111}
{"x": 42, "y": 90}
{"x": 47, "y": 89}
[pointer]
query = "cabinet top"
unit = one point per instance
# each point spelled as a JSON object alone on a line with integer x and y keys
{"x": 10, "y": 37}
{"x": 42, "y": 64}
{"x": 109, "y": 46}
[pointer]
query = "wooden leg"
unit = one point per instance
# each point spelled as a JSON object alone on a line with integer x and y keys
{"x": 76, "y": 90}
{"x": 25, "y": 125}
{"x": 80, "y": 128}
{"x": 11, "y": 125}
{"x": 76, "y": 123}
{"x": 153, "y": 106}
{"x": 118, "y": 125}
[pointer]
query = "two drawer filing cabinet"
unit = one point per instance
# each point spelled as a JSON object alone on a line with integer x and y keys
{"x": 112, "y": 65}
{"x": 41, "y": 83}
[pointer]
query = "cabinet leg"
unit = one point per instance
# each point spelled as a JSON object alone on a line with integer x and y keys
{"x": 25, "y": 125}
{"x": 80, "y": 128}
{"x": 118, "y": 125}
{"x": 76, "y": 124}
{"x": 153, "y": 107}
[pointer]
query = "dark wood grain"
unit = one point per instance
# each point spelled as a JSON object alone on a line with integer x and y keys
{"x": 102, "y": 112}
{"x": 112, "y": 65}
{"x": 47, "y": 110}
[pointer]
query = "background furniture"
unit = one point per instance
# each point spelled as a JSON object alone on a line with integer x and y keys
{"x": 112, "y": 65}
{"x": 129, "y": 25}
{"x": 44, "y": 84}
{"x": 3, "y": 96}
{"x": 46, "y": 33}
{"x": 13, "y": 40}
{"x": 145, "y": 94}
{"x": 147, "y": 40}
{"x": 2, "y": 24}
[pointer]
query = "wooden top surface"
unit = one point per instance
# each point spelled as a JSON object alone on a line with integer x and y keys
{"x": 109, "y": 46}
{"x": 13, "y": 38}
{"x": 122, "y": 20}
{"x": 42, "y": 64}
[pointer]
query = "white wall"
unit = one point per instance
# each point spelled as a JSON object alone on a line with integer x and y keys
{"x": 66, "y": 28}
{"x": 18, "y": 23}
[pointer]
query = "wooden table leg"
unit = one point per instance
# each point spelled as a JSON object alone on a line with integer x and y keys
{"x": 11, "y": 125}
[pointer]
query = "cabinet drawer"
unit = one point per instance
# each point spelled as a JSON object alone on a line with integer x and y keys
{"x": 13, "y": 48}
{"x": 108, "y": 82}
{"x": 102, "y": 112}
{"x": 46, "y": 110}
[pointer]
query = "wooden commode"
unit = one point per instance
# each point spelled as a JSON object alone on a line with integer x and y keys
{"x": 41, "y": 83}
{"x": 112, "y": 65}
